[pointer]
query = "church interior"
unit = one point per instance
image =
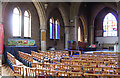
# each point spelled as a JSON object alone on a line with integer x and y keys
{"x": 60, "y": 39}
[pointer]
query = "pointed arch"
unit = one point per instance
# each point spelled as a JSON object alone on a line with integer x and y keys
{"x": 109, "y": 25}
{"x": 16, "y": 21}
{"x": 27, "y": 23}
{"x": 41, "y": 12}
{"x": 84, "y": 28}
{"x": 51, "y": 24}
{"x": 57, "y": 29}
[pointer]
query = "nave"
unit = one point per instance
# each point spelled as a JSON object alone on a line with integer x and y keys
{"x": 54, "y": 39}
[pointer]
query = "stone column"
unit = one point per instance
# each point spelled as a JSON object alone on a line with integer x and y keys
{"x": 66, "y": 37}
{"x": 118, "y": 7}
{"x": 76, "y": 31}
{"x": 91, "y": 34}
{"x": 43, "y": 39}
{"x": 118, "y": 11}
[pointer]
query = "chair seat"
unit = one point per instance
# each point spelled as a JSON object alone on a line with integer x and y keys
{"x": 15, "y": 74}
{"x": 41, "y": 76}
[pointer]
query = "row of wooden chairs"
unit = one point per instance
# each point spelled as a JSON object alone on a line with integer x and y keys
{"x": 63, "y": 66}
{"x": 11, "y": 58}
{"x": 100, "y": 60}
{"x": 39, "y": 72}
{"x": 106, "y": 53}
{"x": 90, "y": 58}
{"x": 86, "y": 61}
{"x": 87, "y": 71}
{"x": 54, "y": 53}
{"x": 25, "y": 56}
{"x": 39, "y": 56}
{"x": 97, "y": 55}
{"x": 75, "y": 66}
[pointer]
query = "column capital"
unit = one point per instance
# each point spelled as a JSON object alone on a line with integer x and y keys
{"x": 43, "y": 28}
{"x": 76, "y": 16}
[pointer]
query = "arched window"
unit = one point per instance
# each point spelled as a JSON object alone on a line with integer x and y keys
{"x": 79, "y": 35}
{"x": 51, "y": 28}
{"x": 110, "y": 25}
{"x": 57, "y": 30}
{"x": 27, "y": 24}
{"x": 16, "y": 22}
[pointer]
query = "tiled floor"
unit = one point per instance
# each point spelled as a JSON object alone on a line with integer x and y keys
{"x": 6, "y": 71}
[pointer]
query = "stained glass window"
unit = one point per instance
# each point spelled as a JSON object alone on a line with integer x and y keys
{"x": 110, "y": 25}
{"x": 27, "y": 24}
{"x": 57, "y": 30}
{"x": 54, "y": 29}
{"x": 16, "y": 22}
{"x": 51, "y": 29}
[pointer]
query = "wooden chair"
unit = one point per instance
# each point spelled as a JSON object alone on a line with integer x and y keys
{"x": 88, "y": 71}
{"x": 76, "y": 62}
{"x": 110, "y": 72}
{"x": 62, "y": 73}
{"x": 18, "y": 71}
{"x": 37, "y": 65}
{"x": 66, "y": 67}
{"x": 75, "y": 74}
{"x": 52, "y": 73}
{"x": 58, "y": 67}
{"x": 67, "y": 62}
{"x": 101, "y": 64}
{"x": 111, "y": 64}
{"x": 11, "y": 58}
{"x": 91, "y": 59}
{"x": 87, "y": 68}
{"x": 97, "y": 70}
{"x": 93, "y": 64}
{"x": 56, "y": 61}
{"x": 95, "y": 73}
{"x": 117, "y": 71}
{"x": 83, "y": 59}
{"x": 75, "y": 58}
{"x": 41, "y": 73}
{"x": 65, "y": 53}
{"x": 106, "y": 60}
{"x": 66, "y": 57}
{"x": 30, "y": 72}
{"x": 48, "y": 65}
{"x": 85, "y": 64}
{"x": 76, "y": 68}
